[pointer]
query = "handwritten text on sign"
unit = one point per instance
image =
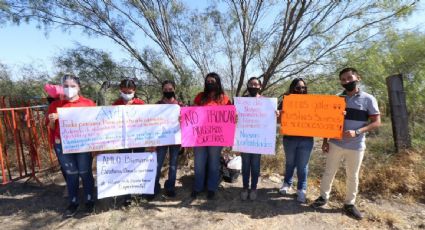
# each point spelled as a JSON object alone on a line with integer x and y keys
{"x": 256, "y": 129}
{"x": 117, "y": 127}
{"x": 120, "y": 174}
{"x": 313, "y": 115}
{"x": 208, "y": 125}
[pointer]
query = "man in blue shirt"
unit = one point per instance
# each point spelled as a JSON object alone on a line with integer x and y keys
{"x": 362, "y": 115}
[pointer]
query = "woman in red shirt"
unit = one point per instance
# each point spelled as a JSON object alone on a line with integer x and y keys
{"x": 54, "y": 93}
{"x": 75, "y": 165}
{"x": 208, "y": 157}
{"x": 128, "y": 96}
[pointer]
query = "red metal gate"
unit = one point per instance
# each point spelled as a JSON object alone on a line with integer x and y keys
{"x": 24, "y": 142}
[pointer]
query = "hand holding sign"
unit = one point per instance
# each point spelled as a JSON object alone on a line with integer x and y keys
{"x": 254, "y": 131}
{"x": 208, "y": 125}
{"x": 117, "y": 127}
{"x": 313, "y": 115}
{"x": 120, "y": 174}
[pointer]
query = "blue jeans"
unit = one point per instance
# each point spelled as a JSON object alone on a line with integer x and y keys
{"x": 77, "y": 165}
{"x": 172, "y": 170}
{"x": 57, "y": 156}
{"x": 297, "y": 153}
{"x": 207, "y": 157}
{"x": 250, "y": 167}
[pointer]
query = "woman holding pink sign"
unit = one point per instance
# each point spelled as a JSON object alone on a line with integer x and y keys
{"x": 207, "y": 158}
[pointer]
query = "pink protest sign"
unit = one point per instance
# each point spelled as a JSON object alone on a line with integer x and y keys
{"x": 208, "y": 125}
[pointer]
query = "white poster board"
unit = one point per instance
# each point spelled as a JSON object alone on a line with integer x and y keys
{"x": 86, "y": 129}
{"x": 256, "y": 126}
{"x": 125, "y": 173}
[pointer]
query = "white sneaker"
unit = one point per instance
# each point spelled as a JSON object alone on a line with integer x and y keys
{"x": 285, "y": 189}
{"x": 244, "y": 194}
{"x": 301, "y": 196}
{"x": 253, "y": 195}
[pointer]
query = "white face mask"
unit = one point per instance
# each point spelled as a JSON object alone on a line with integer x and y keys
{"x": 127, "y": 97}
{"x": 70, "y": 92}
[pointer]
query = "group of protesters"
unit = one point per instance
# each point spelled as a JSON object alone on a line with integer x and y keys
{"x": 361, "y": 116}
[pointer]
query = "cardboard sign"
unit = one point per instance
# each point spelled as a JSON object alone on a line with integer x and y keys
{"x": 102, "y": 128}
{"x": 208, "y": 125}
{"x": 121, "y": 174}
{"x": 313, "y": 115}
{"x": 256, "y": 129}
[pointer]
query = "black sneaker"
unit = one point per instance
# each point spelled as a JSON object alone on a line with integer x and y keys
{"x": 194, "y": 194}
{"x": 210, "y": 195}
{"x": 89, "y": 207}
{"x": 170, "y": 193}
{"x": 319, "y": 202}
{"x": 352, "y": 211}
{"x": 70, "y": 211}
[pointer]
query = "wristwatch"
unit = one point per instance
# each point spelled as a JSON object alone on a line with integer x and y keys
{"x": 357, "y": 132}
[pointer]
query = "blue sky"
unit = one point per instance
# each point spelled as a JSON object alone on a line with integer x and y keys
{"x": 25, "y": 44}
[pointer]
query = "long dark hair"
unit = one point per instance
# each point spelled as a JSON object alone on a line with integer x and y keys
{"x": 294, "y": 84}
{"x": 218, "y": 93}
{"x": 129, "y": 83}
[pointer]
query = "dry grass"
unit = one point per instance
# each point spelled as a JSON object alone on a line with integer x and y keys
{"x": 386, "y": 217}
{"x": 402, "y": 174}
{"x": 384, "y": 173}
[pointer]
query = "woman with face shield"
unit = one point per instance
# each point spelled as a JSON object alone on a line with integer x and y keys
{"x": 75, "y": 165}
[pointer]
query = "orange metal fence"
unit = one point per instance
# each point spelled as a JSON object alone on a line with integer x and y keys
{"x": 24, "y": 141}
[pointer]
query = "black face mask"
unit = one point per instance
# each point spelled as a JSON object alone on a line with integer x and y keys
{"x": 253, "y": 91}
{"x": 169, "y": 95}
{"x": 350, "y": 86}
{"x": 211, "y": 86}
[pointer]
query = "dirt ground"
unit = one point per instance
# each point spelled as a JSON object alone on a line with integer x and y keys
{"x": 31, "y": 206}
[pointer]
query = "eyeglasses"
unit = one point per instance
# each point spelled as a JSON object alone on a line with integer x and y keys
{"x": 299, "y": 88}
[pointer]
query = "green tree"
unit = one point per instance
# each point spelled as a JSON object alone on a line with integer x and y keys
{"x": 395, "y": 54}
{"x": 96, "y": 70}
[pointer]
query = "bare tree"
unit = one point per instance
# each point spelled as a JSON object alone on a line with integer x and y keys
{"x": 275, "y": 39}
{"x": 285, "y": 39}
